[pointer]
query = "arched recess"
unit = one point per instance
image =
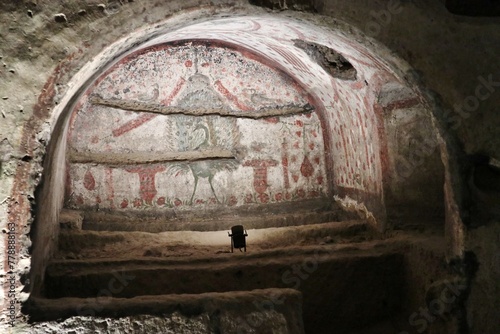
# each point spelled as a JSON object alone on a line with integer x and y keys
{"x": 203, "y": 127}
{"x": 368, "y": 117}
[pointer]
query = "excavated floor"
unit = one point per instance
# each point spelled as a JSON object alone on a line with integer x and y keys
{"x": 349, "y": 276}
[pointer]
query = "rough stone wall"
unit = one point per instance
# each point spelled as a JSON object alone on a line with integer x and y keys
{"x": 45, "y": 43}
{"x": 483, "y": 303}
{"x": 411, "y": 143}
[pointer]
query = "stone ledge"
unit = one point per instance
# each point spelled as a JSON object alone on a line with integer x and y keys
{"x": 277, "y": 310}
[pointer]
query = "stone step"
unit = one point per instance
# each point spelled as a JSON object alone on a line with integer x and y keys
{"x": 275, "y": 310}
{"x": 342, "y": 285}
{"x": 213, "y": 219}
{"x": 93, "y": 244}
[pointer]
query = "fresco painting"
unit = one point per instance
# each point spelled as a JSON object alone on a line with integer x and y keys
{"x": 265, "y": 160}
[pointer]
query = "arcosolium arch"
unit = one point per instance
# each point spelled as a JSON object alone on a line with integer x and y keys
{"x": 357, "y": 146}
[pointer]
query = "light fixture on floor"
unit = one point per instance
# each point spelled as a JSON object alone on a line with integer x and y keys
{"x": 238, "y": 237}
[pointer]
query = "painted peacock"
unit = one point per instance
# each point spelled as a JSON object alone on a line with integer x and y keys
{"x": 203, "y": 138}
